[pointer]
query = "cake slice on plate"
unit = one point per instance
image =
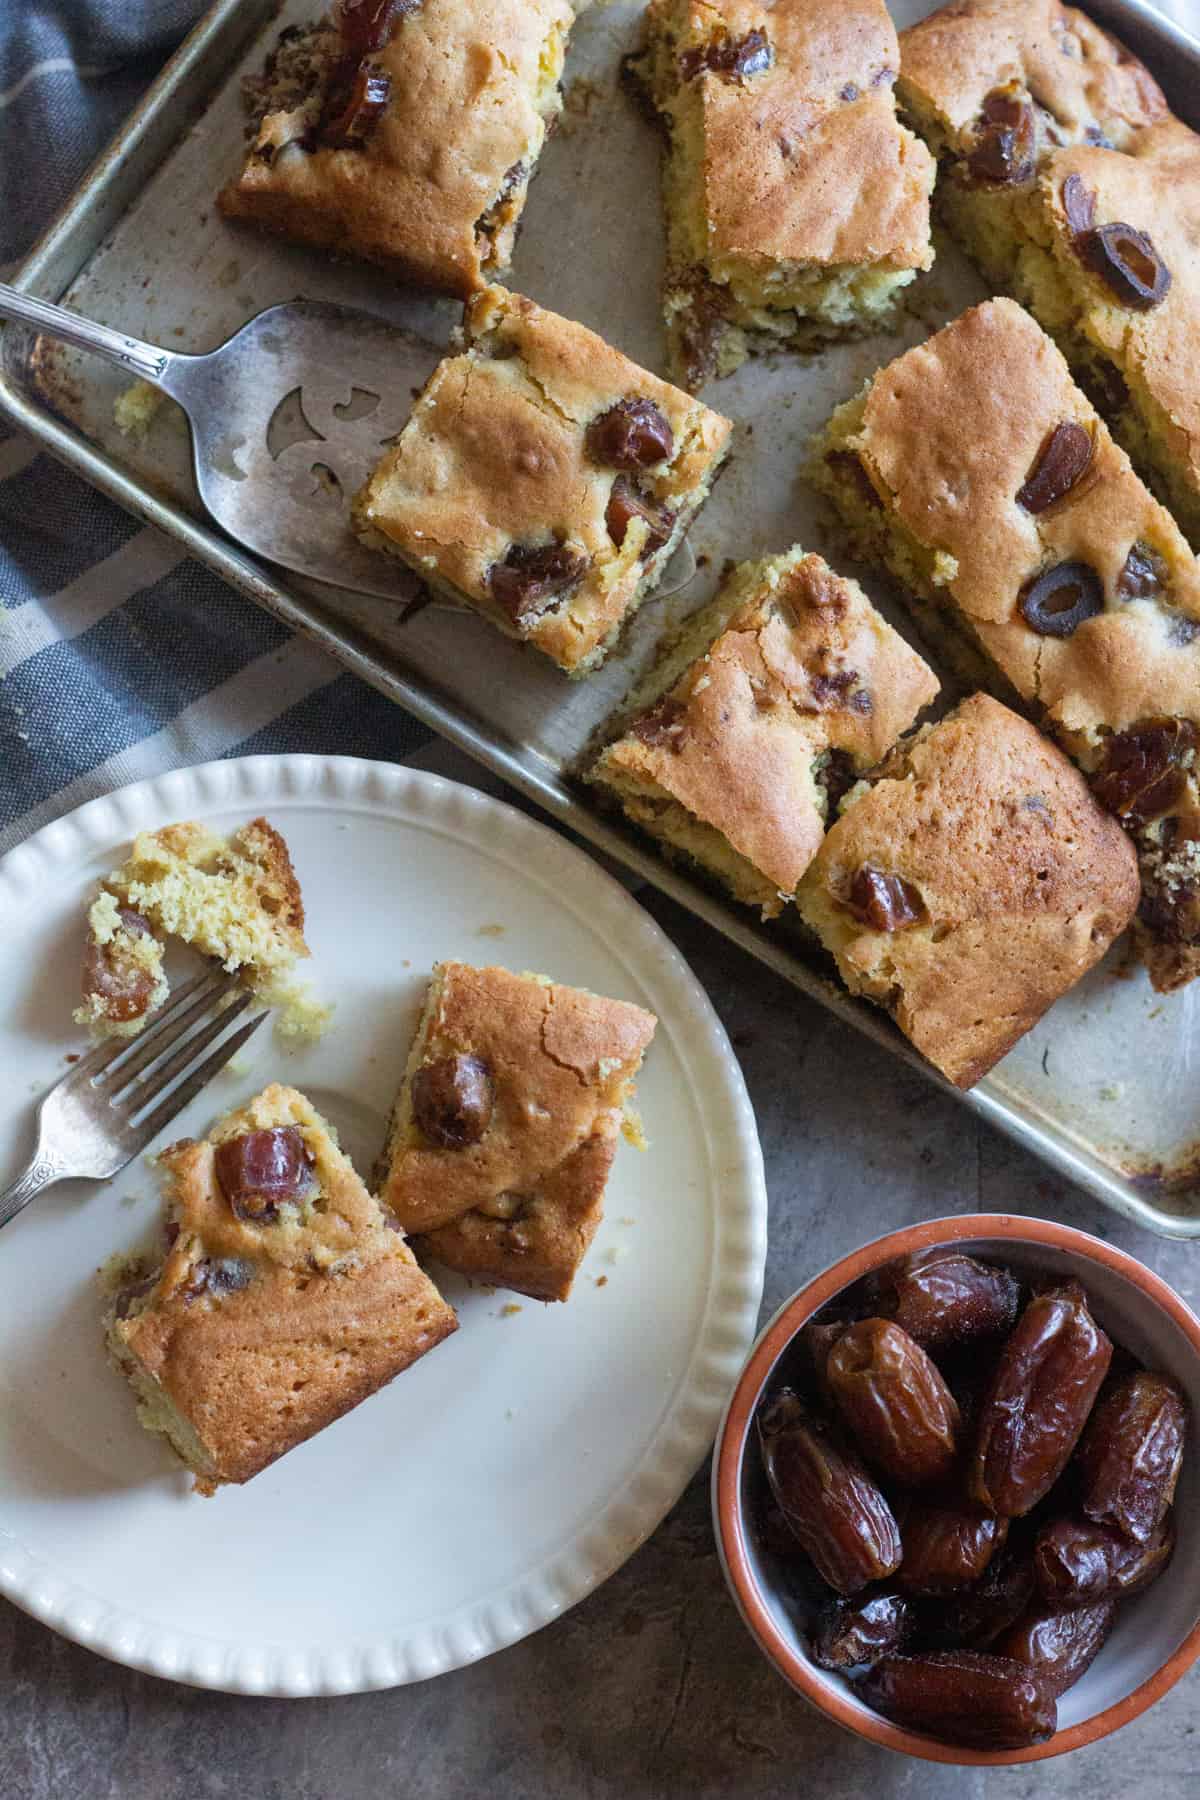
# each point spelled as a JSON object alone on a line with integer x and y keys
{"x": 234, "y": 898}
{"x": 506, "y": 1124}
{"x": 285, "y": 1296}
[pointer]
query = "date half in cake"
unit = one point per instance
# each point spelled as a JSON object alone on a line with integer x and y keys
{"x": 797, "y": 206}
{"x": 781, "y": 694}
{"x": 506, "y": 1125}
{"x": 405, "y": 132}
{"x": 235, "y": 898}
{"x": 981, "y": 475}
{"x": 1065, "y": 177}
{"x": 285, "y": 1296}
{"x": 968, "y": 884}
{"x": 543, "y": 479}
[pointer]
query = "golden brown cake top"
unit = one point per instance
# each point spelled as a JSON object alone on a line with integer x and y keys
{"x": 469, "y": 86}
{"x": 498, "y": 455}
{"x": 1155, "y": 190}
{"x": 1015, "y": 880}
{"x": 532, "y": 1243}
{"x": 558, "y": 1065}
{"x": 953, "y": 434}
{"x": 1082, "y": 79}
{"x": 804, "y": 667}
{"x": 803, "y": 158}
{"x": 272, "y": 1316}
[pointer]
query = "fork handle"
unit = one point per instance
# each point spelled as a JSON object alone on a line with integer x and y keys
{"x": 42, "y": 1172}
{"x": 118, "y": 347}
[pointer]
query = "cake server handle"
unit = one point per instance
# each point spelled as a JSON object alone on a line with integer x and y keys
{"x": 128, "y": 353}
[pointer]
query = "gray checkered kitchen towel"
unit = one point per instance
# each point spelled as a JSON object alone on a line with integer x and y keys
{"x": 119, "y": 657}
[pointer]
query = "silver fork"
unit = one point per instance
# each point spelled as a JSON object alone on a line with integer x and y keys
{"x": 116, "y": 1099}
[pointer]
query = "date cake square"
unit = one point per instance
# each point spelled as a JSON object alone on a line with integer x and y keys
{"x": 977, "y": 471}
{"x": 543, "y": 479}
{"x": 1065, "y": 177}
{"x": 235, "y": 898}
{"x": 797, "y": 205}
{"x": 284, "y": 1298}
{"x": 405, "y": 132}
{"x": 968, "y": 883}
{"x": 506, "y": 1124}
{"x": 784, "y": 690}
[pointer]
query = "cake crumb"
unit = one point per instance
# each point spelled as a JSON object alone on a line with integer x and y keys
{"x": 236, "y": 1066}
{"x": 302, "y": 1020}
{"x": 615, "y": 1253}
{"x": 506, "y": 1312}
{"x": 136, "y": 408}
{"x": 602, "y": 1281}
{"x": 491, "y": 931}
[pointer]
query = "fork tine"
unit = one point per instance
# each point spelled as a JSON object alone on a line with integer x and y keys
{"x": 166, "y": 1031}
{"x": 140, "y": 1094}
{"x": 108, "y": 1050}
{"x": 179, "y": 1097}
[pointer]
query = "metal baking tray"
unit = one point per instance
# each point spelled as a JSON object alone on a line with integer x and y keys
{"x": 1103, "y": 1089}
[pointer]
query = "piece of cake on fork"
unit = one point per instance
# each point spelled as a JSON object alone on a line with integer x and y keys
{"x": 506, "y": 1124}
{"x": 233, "y": 897}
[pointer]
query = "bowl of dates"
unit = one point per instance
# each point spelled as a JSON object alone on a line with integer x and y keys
{"x": 951, "y": 1478}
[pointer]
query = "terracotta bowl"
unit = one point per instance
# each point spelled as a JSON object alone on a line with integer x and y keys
{"x": 1157, "y": 1635}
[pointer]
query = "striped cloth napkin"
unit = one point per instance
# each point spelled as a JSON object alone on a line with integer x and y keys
{"x": 119, "y": 657}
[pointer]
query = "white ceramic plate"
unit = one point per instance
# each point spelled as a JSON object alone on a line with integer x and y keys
{"x": 511, "y": 1471}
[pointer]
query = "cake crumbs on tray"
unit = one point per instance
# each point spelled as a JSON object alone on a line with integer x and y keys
{"x": 493, "y": 931}
{"x": 136, "y": 408}
{"x": 602, "y": 1281}
{"x": 506, "y": 1312}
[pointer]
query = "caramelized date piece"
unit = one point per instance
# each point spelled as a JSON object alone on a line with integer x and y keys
{"x": 1077, "y": 1562}
{"x": 827, "y": 1497}
{"x": 901, "y": 1413}
{"x": 366, "y": 25}
{"x": 1058, "y": 1647}
{"x": 1127, "y": 263}
{"x": 1045, "y": 1384}
{"x": 1131, "y": 1453}
{"x": 452, "y": 1100}
{"x": 974, "y": 1617}
{"x": 627, "y": 503}
{"x": 944, "y": 1298}
{"x": 260, "y": 1170}
{"x": 1144, "y": 769}
{"x": 965, "y": 1697}
{"x": 883, "y": 902}
{"x": 729, "y": 57}
{"x": 1057, "y": 602}
{"x": 853, "y": 1634}
{"x": 1144, "y": 574}
{"x": 532, "y": 577}
{"x": 1006, "y": 141}
{"x": 1061, "y": 462}
{"x": 123, "y": 985}
{"x": 948, "y": 1547}
{"x": 633, "y": 434}
{"x": 355, "y": 109}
